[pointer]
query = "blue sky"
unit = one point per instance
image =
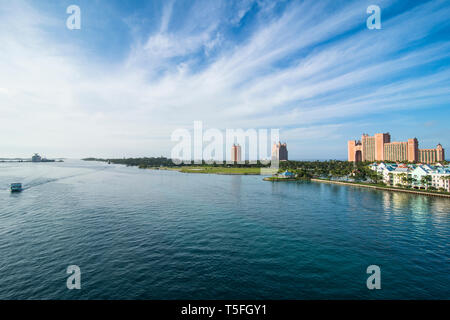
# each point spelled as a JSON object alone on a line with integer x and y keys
{"x": 137, "y": 70}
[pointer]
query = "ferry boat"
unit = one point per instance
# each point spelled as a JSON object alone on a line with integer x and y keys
{"x": 16, "y": 187}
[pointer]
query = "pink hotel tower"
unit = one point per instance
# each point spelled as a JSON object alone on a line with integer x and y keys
{"x": 236, "y": 153}
{"x": 279, "y": 151}
{"x": 380, "y": 148}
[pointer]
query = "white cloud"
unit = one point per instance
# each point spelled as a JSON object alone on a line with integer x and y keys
{"x": 291, "y": 70}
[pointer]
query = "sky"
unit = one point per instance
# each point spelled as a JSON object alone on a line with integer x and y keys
{"x": 138, "y": 70}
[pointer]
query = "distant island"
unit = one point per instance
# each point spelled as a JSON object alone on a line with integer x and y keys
{"x": 35, "y": 158}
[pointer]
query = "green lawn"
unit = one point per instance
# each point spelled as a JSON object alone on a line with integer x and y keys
{"x": 221, "y": 170}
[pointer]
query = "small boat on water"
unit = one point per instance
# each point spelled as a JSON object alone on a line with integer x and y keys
{"x": 16, "y": 187}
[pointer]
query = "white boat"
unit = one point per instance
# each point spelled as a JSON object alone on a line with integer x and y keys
{"x": 16, "y": 187}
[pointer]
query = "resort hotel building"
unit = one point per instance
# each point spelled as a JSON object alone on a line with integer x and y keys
{"x": 380, "y": 148}
{"x": 279, "y": 151}
{"x": 236, "y": 153}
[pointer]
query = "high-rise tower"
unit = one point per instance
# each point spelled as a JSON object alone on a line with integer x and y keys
{"x": 279, "y": 151}
{"x": 236, "y": 153}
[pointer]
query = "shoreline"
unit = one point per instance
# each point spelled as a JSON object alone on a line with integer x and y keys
{"x": 282, "y": 179}
{"x": 213, "y": 170}
{"x": 424, "y": 193}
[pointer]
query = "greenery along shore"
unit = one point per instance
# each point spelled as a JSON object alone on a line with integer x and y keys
{"x": 302, "y": 169}
{"x": 162, "y": 163}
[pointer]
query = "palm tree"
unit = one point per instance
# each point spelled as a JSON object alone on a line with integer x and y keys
{"x": 403, "y": 178}
{"x": 376, "y": 177}
{"x": 426, "y": 181}
{"x": 410, "y": 180}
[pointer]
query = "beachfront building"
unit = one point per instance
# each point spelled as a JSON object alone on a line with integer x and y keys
{"x": 279, "y": 151}
{"x": 400, "y": 176}
{"x": 236, "y": 153}
{"x": 385, "y": 170}
{"x": 380, "y": 148}
{"x": 421, "y": 176}
{"x": 440, "y": 178}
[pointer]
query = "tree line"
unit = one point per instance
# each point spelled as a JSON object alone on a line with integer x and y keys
{"x": 306, "y": 169}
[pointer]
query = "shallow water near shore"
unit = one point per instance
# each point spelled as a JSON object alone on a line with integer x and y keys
{"x": 156, "y": 234}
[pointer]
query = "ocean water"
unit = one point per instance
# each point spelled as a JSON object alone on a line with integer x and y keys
{"x": 144, "y": 234}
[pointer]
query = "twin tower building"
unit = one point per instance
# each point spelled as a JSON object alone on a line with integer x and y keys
{"x": 279, "y": 152}
{"x": 380, "y": 148}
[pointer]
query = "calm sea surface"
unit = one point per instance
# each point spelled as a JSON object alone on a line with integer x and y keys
{"x": 144, "y": 234}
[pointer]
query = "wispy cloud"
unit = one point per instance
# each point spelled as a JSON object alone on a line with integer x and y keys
{"x": 306, "y": 67}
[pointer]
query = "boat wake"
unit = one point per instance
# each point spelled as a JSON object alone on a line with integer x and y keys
{"x": 39, "y": 182}
{"x": 29, "y": 183}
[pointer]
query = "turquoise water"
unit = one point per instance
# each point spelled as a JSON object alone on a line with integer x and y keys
{"x": 143, "y": 234}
